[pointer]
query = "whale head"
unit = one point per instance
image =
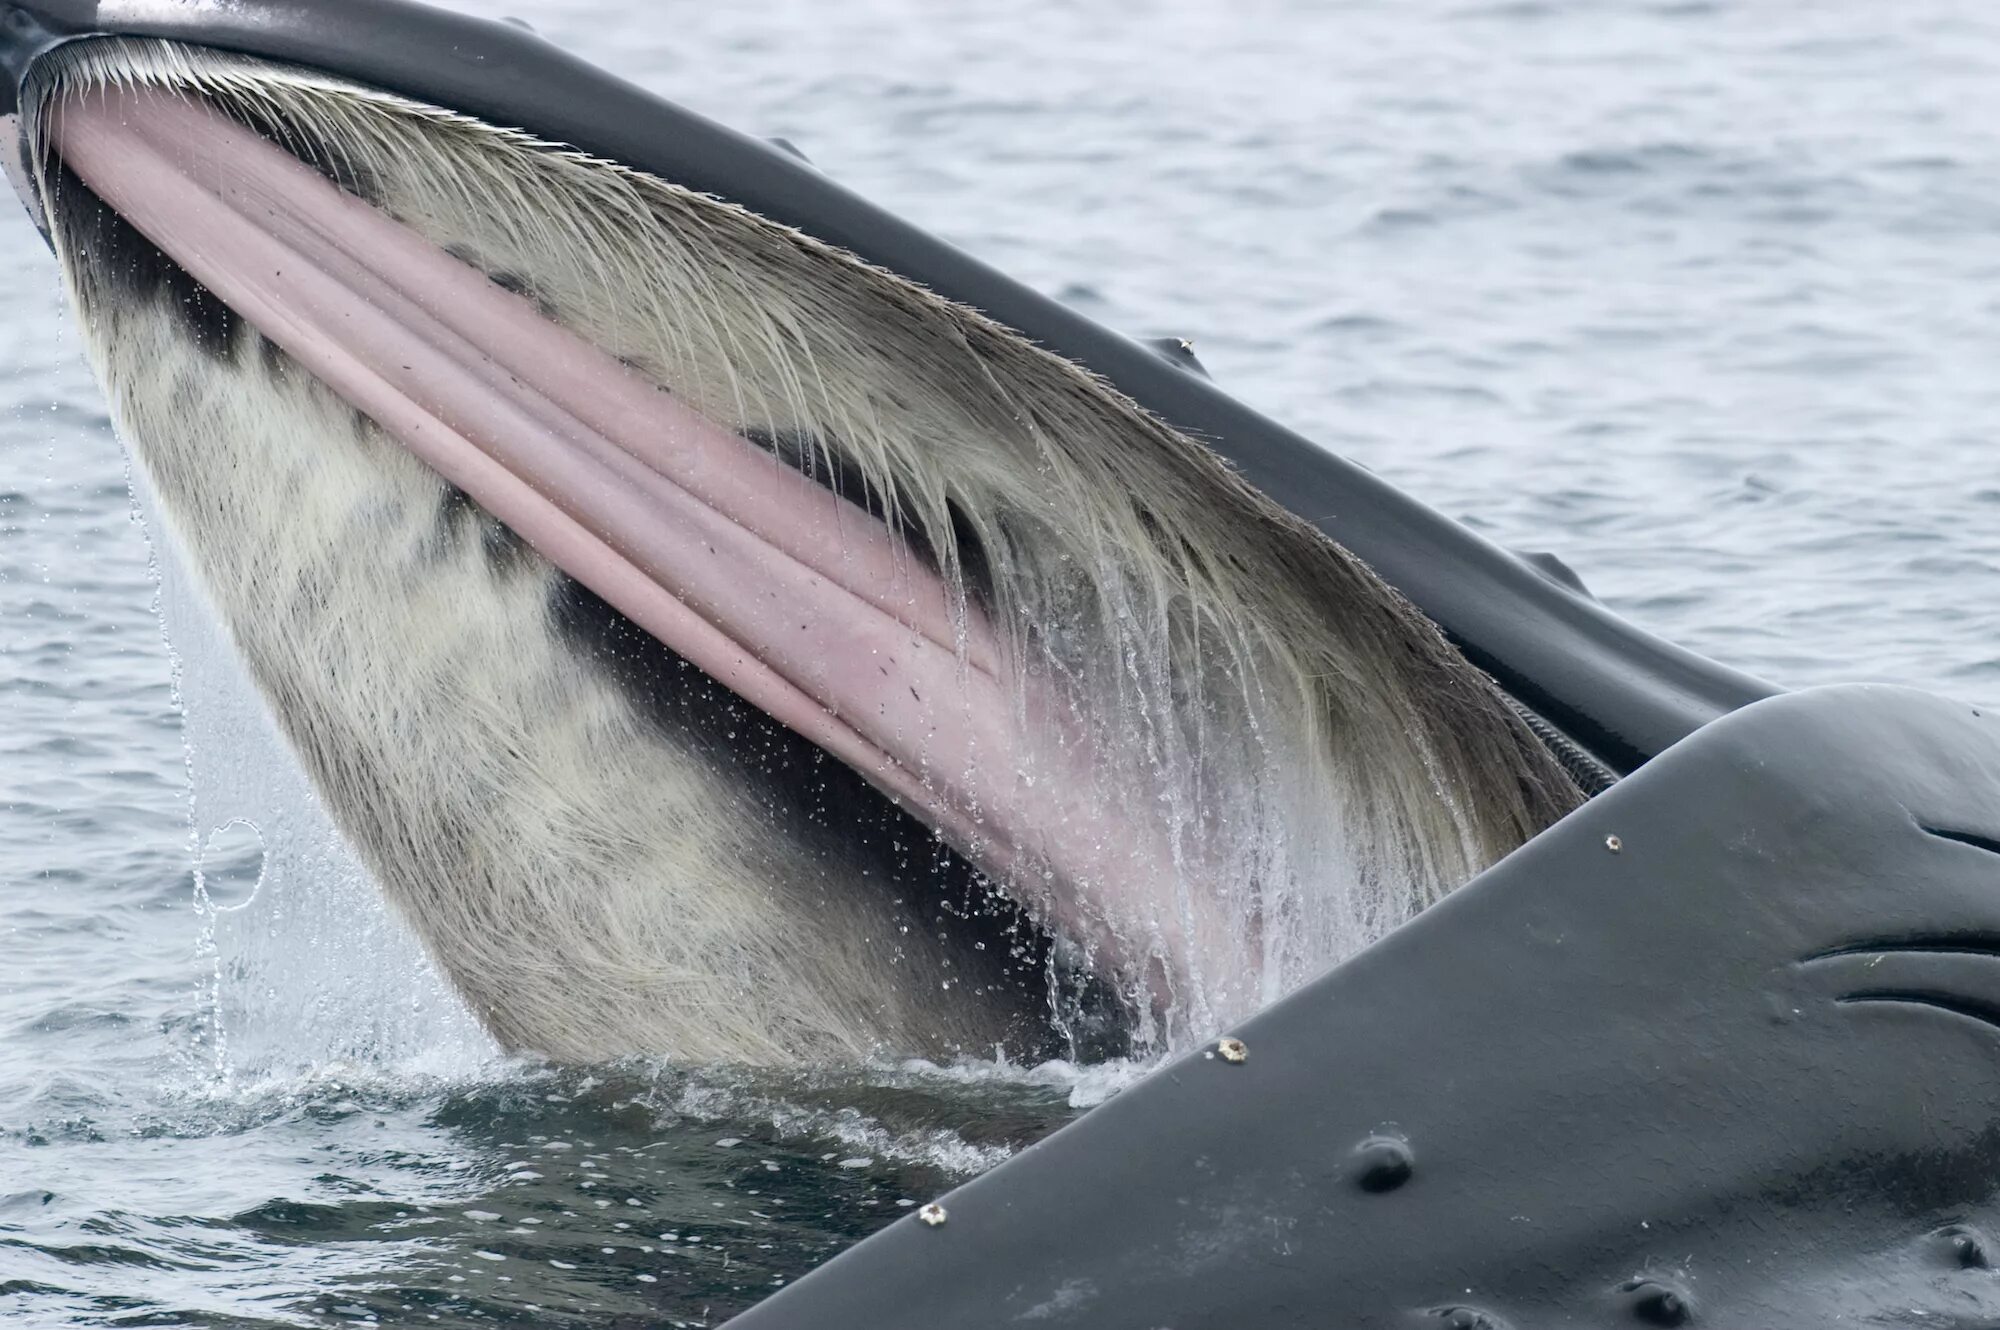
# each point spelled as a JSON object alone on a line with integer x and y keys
{"x": 714, "y": 642}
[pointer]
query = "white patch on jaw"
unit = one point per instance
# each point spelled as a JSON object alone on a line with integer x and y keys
{"x": 590, "y": 889}
{"x": 1329, "y": 764}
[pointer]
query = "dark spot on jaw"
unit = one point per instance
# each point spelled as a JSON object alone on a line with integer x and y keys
{"x": 278, "y": 363}
{"x": 455, "y": 511}
{"x": 507, "y": 280}
{"x": 974, "y": 564}
{"x": 803, "y": 451}
{"x": 461, "y": 519}
{"x": 518, "y": 285}
{"x": 131, "y": 269}
{"x": 522, "y": 287}
{"x": 1174, "y": 544}
{"x": 1917, "y": 1183}
{"x": 321, "y": 154}
{"x": 828, "y": 810}
{"x": 510, "y": 281}
{"x": 797, "y": 448}
{"x": 505, "y": 551}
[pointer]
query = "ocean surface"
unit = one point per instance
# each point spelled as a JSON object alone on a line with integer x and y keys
{"x": 1703, "y": 297}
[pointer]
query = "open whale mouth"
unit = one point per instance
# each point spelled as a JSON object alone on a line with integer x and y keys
{"x": 798, "y": 599}
{"x": 1198, "y": 745}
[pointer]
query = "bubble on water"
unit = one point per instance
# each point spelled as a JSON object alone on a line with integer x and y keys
{"x": 230, "y": 869}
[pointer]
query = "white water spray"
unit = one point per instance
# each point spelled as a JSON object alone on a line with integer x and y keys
{"x": 306, "y": 968}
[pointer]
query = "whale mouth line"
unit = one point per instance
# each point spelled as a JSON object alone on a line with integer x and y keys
{"x": 817, "y": 609}
{"x": 1955, "y": 1004}
{"x": 1971, "y": 838}
{"x": 1967, "y": 944}
{"x": 1954, "y": 973}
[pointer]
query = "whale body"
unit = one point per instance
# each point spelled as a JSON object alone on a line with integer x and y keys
{"x": 731, "y": 624}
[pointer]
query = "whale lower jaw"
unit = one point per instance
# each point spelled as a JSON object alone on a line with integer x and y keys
{"x": 717, "y": 647}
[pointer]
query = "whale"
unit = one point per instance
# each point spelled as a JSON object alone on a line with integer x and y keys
{"x": 723, "y": 629}
{"x": 734, "y": 625}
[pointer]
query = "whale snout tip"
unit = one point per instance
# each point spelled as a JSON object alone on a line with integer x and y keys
{"x": 27, "y": 33}
{"x": 30, "y": 31}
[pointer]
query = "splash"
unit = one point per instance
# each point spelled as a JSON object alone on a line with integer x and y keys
{"x": 303, "y": 966}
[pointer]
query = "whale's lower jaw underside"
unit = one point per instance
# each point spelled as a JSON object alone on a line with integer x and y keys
{"x": 718, "y": 647}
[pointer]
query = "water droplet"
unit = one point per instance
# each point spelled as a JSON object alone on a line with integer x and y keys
{"x": 230, "y": 870}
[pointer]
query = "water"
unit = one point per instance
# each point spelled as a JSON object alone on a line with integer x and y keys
{"x": 1699, "y": 296}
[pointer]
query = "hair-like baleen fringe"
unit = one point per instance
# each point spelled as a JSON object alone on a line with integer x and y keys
{"x": 1326, "y": 764}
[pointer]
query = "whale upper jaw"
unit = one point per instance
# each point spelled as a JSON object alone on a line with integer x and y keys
{"x": 867, "y": 572}
{"x": 1614, "y": 689}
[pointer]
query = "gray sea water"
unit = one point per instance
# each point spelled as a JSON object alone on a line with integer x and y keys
{"x": 1704, "y": 297}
